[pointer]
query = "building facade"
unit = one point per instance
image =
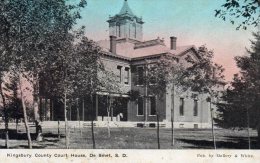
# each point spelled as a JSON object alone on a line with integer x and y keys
{"x": 126, "y": 54}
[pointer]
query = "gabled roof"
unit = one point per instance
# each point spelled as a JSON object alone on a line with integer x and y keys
{"x": 129, "y": 50}
{"x": 126, "y": 9}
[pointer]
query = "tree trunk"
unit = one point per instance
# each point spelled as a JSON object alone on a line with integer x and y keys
{"x": 108, "y": 114}
{"x": 78, "y": 117}
{"x": 6, "y": 117}
{"x": 83, "y": 109}
{"x": 258, "y": 135}
{"x": 92, "y": 122}
{"x": 212, "y": 127}
{"x": 16, "y": 127}
{"x": 36, "y": 106}
{"x": 59, "y": 129}
{"x": 66, "y": 121}
{"x": 172, "y": 117}
{"x": 158, "y": 131}
{"x": 248, "y": 129}
{"x": 25, "y": 115}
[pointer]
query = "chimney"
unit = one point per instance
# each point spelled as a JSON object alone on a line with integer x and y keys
{"x": 113, "y": 44}
{"x": 173, "y": 42}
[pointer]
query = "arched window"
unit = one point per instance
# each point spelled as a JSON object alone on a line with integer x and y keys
{"x": 135, "y": 30}
{"x": 118, "y": 30}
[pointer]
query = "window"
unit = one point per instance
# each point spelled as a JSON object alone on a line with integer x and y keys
{"x": 195, "y": 108}
{"x": 135, "y": 30}
{"x": 127, "y": 75}
{"x": 152, "y": 75}
{"x": 140, "y": 106}
{"x": 196, "y": 126}
{"x": 152, "y": 106}
{"x": 140, "y": 73}
{"x": 119, "y": 73}
{"x": 181, "y": 106}
{"x": 118, "y": 30}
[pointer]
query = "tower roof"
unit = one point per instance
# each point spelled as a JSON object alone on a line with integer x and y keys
{"x": 126, "y": 9}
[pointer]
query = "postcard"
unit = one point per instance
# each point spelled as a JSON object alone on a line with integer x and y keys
{"x": 129, "y": 81}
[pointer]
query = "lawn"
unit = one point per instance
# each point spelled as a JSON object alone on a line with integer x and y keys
{"x": 134, "y": 138}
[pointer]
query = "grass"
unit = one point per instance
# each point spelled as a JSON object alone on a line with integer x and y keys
{"x": 133, "y": 138}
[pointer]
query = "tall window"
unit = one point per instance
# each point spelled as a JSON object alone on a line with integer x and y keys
{"x": 118, "y": 30}
{"x": 119, "y": 73}
{"x": 181, "y": 106}
{"x": 127, "y": 75}
{"x": 135, "y": 30}
{"x": 152, "y": 106}
{"x": 152, "y": 75}
{"x": 140, "y": 73}
{"x": 195, "y": 108}
{"x": 140, "y": 106}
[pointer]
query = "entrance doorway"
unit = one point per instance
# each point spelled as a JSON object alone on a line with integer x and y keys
{"x": 112, "y": 107}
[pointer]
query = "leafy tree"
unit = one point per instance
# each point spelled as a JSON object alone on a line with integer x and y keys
{"x": 162, "y": 75}
{"x": 4, "y": 67}
{"x": 240, "y": 108}
{"x": 242, "y": 12}
{"x": 32, "y": 30}
{"x": 77, "y": 71}
{"x": 14, "y": 106}
{"x": 36, "y": 29}
{"x": 199, "y": 74}
{"x": 92, "y": 77}
{"x": 5, "y": 112}
{"x": 205, "y": 77}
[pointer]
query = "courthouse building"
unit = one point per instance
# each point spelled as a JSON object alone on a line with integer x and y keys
{"x": 125, "y": 54}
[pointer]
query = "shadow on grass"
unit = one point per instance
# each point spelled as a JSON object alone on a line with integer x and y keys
{"x": 51, "y": 135}
{"x": 13, "y": 135}
{"x": 232, "y": 143}
{"x": 49, "y": 139}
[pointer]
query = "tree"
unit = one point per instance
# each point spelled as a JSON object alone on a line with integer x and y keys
{"x": 77, "y": 71}
{"x": 162, "y": 75}
{"x": 242, "y": 12}
{"x": 41, "y": 26}
{"x": 241, "y": 99}
{"x": 205, "y": 77}
{"x": 14, "y": 106}
{"x": 197, "y": 74}
{"x": 4, "y": 67}
{"x": 5, "y": 112}
{"x": 92, "y": 76}
{"x": 32, "y": 30}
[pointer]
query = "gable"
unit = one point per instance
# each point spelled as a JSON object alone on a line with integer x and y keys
{"x": 189, "y": 56}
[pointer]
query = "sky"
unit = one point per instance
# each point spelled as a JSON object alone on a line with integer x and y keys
{"x": 191, "y": 21}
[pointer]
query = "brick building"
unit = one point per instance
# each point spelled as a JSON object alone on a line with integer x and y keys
{"x": 125, "y": 54}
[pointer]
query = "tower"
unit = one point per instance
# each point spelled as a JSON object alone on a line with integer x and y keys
{"x": 126, "y": 25}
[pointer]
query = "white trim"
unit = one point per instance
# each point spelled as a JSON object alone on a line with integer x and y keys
{"x": 112, "y": 94}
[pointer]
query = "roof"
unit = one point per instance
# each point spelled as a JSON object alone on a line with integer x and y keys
{"x": 126, "y": 9}
{"x": 129, "y": 50}
{"x": 180, "y": 50}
